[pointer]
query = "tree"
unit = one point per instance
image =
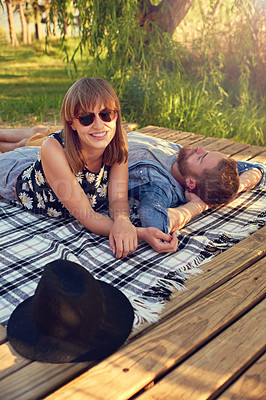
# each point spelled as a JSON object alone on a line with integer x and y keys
{"x": 12, "y": 32}
{"x": 37, "y": 19}
{"x": 96, "y": 18}
{"x": 49, "y": 19}
{"x": 167, "y": 14}
{"x": 23, "y": 22}
{"x": 127, "y": 29}
{"x": 28, "y": 15}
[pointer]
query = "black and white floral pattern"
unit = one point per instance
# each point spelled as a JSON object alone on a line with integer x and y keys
{"x": 34, "y": 193}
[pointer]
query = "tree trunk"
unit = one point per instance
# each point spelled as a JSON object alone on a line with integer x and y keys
{"x": 37, "y": 17}
{"x": 12, "y": 33}
{"x": 27, "y": 20}
{"x": 168, "y": 14}
{"x": 66, "y": 27}
{"x": 23, "y": 22}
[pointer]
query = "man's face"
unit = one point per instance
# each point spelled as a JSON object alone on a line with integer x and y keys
{"x": 192, "y": 161}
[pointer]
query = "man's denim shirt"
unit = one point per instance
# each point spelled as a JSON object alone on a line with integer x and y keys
{"x": 151, "y": 182}
{"x": 156, "y": 190}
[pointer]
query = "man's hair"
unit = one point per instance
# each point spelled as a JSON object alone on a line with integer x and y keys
{"x": 220, "y": 185}
{"x": 81, "y": 98}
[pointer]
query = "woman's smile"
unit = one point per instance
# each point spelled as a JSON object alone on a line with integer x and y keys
{"x": 99, "y": 135}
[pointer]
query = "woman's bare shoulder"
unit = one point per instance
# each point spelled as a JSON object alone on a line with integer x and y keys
{"x": 52, "y": 151}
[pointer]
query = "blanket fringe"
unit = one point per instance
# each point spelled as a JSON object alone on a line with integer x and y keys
{"x": 150, "y": 305}
{"x": 145, "y": 310}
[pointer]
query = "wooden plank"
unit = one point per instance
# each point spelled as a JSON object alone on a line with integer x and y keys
{"x": 251, "y": 385}
{"x": 207, "y": 141}
{"x": 177, "y": 136}
{"x": 239, "y": 151}
{"x": 191, "y": 140}
{"x": 37, "y": 379}
{"x": 2, "y": 333}
{"x": 219, "y": 270}
{"x": 217, "y": 364}
{"x": 234, "y": 149}
{"x": 129, "y": 370}
{"x": 219, "y": 144}
{"x": 229, "y": 264}
{"x": 149, "y": 130}
{"x": 260, "y": 157}
{"x": 248, "y": 153}
{"x": 162, "y": 133}
{"x": 11, "y": 361}
{"x": 171, "y": 133}
{"x": 129, "y": 126}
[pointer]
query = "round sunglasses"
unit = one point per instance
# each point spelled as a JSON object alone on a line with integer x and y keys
{"x": 106, "y": 115}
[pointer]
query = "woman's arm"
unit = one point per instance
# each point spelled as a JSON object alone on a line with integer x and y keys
{"x": 66, "y": 187}
{"x": 123, "y": 235}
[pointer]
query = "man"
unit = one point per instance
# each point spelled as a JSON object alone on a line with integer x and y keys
{"x": 171, "y": 184}
{"x": 175, "y": 184}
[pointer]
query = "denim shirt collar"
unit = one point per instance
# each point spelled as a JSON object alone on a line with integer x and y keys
{"x": 159, "y": 171}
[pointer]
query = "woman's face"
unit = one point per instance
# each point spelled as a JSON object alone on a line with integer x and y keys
{"x": 97, "y": 136}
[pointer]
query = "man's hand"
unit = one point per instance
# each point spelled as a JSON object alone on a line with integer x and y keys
{"x": 158, "y": 240}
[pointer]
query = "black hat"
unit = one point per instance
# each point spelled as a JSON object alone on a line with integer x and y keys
{"x": 72, "y": 317}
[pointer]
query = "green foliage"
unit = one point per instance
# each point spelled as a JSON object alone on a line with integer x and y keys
{"x": 209, "y": 78}
{"x": 193, "y": 106}
{"x": 203, "y": 80}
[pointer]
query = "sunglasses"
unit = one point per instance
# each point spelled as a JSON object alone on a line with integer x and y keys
{"x": 106, "y": 115}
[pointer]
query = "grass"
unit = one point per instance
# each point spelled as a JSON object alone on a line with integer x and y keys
{"x": 33, "y": 83}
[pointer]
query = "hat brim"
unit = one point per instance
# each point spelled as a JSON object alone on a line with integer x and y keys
{"x": 28, "y": 341}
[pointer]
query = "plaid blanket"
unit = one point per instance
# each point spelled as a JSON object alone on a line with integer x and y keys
{"x": 29, "y": 241}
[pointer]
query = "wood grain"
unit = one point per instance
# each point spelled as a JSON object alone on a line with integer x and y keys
{"x": 131, "y": 369}
{"x": 204, "y": 374}
{"x": 208, "y": 335}
{"x": 251, "y": 385}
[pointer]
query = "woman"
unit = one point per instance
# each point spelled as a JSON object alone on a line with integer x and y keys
{"x": 76, "y": 165}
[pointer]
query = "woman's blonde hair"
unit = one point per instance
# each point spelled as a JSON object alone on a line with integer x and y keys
{"x": 82, "y": 97}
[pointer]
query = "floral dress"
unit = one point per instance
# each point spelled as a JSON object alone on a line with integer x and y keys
{"x": 35, "y": 194}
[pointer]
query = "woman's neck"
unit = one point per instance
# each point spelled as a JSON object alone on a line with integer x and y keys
{"x": 94, "y": 166}
{"x": 93, "y": 163}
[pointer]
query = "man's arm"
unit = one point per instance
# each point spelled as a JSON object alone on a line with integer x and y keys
{"x": 249, "y": 179}
{"x": 252, "y": 174}
{"x": 181, "y": 215}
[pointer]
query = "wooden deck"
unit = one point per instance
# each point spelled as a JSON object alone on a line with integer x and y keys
{"x": 209, "y": 343}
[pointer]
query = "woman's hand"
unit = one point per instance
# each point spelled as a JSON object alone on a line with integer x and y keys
{"x": 123, "y": 237}
{"x": 158, "y": 240}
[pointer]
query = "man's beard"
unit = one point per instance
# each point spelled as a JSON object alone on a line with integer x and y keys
{"x": 182, "y": 159}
